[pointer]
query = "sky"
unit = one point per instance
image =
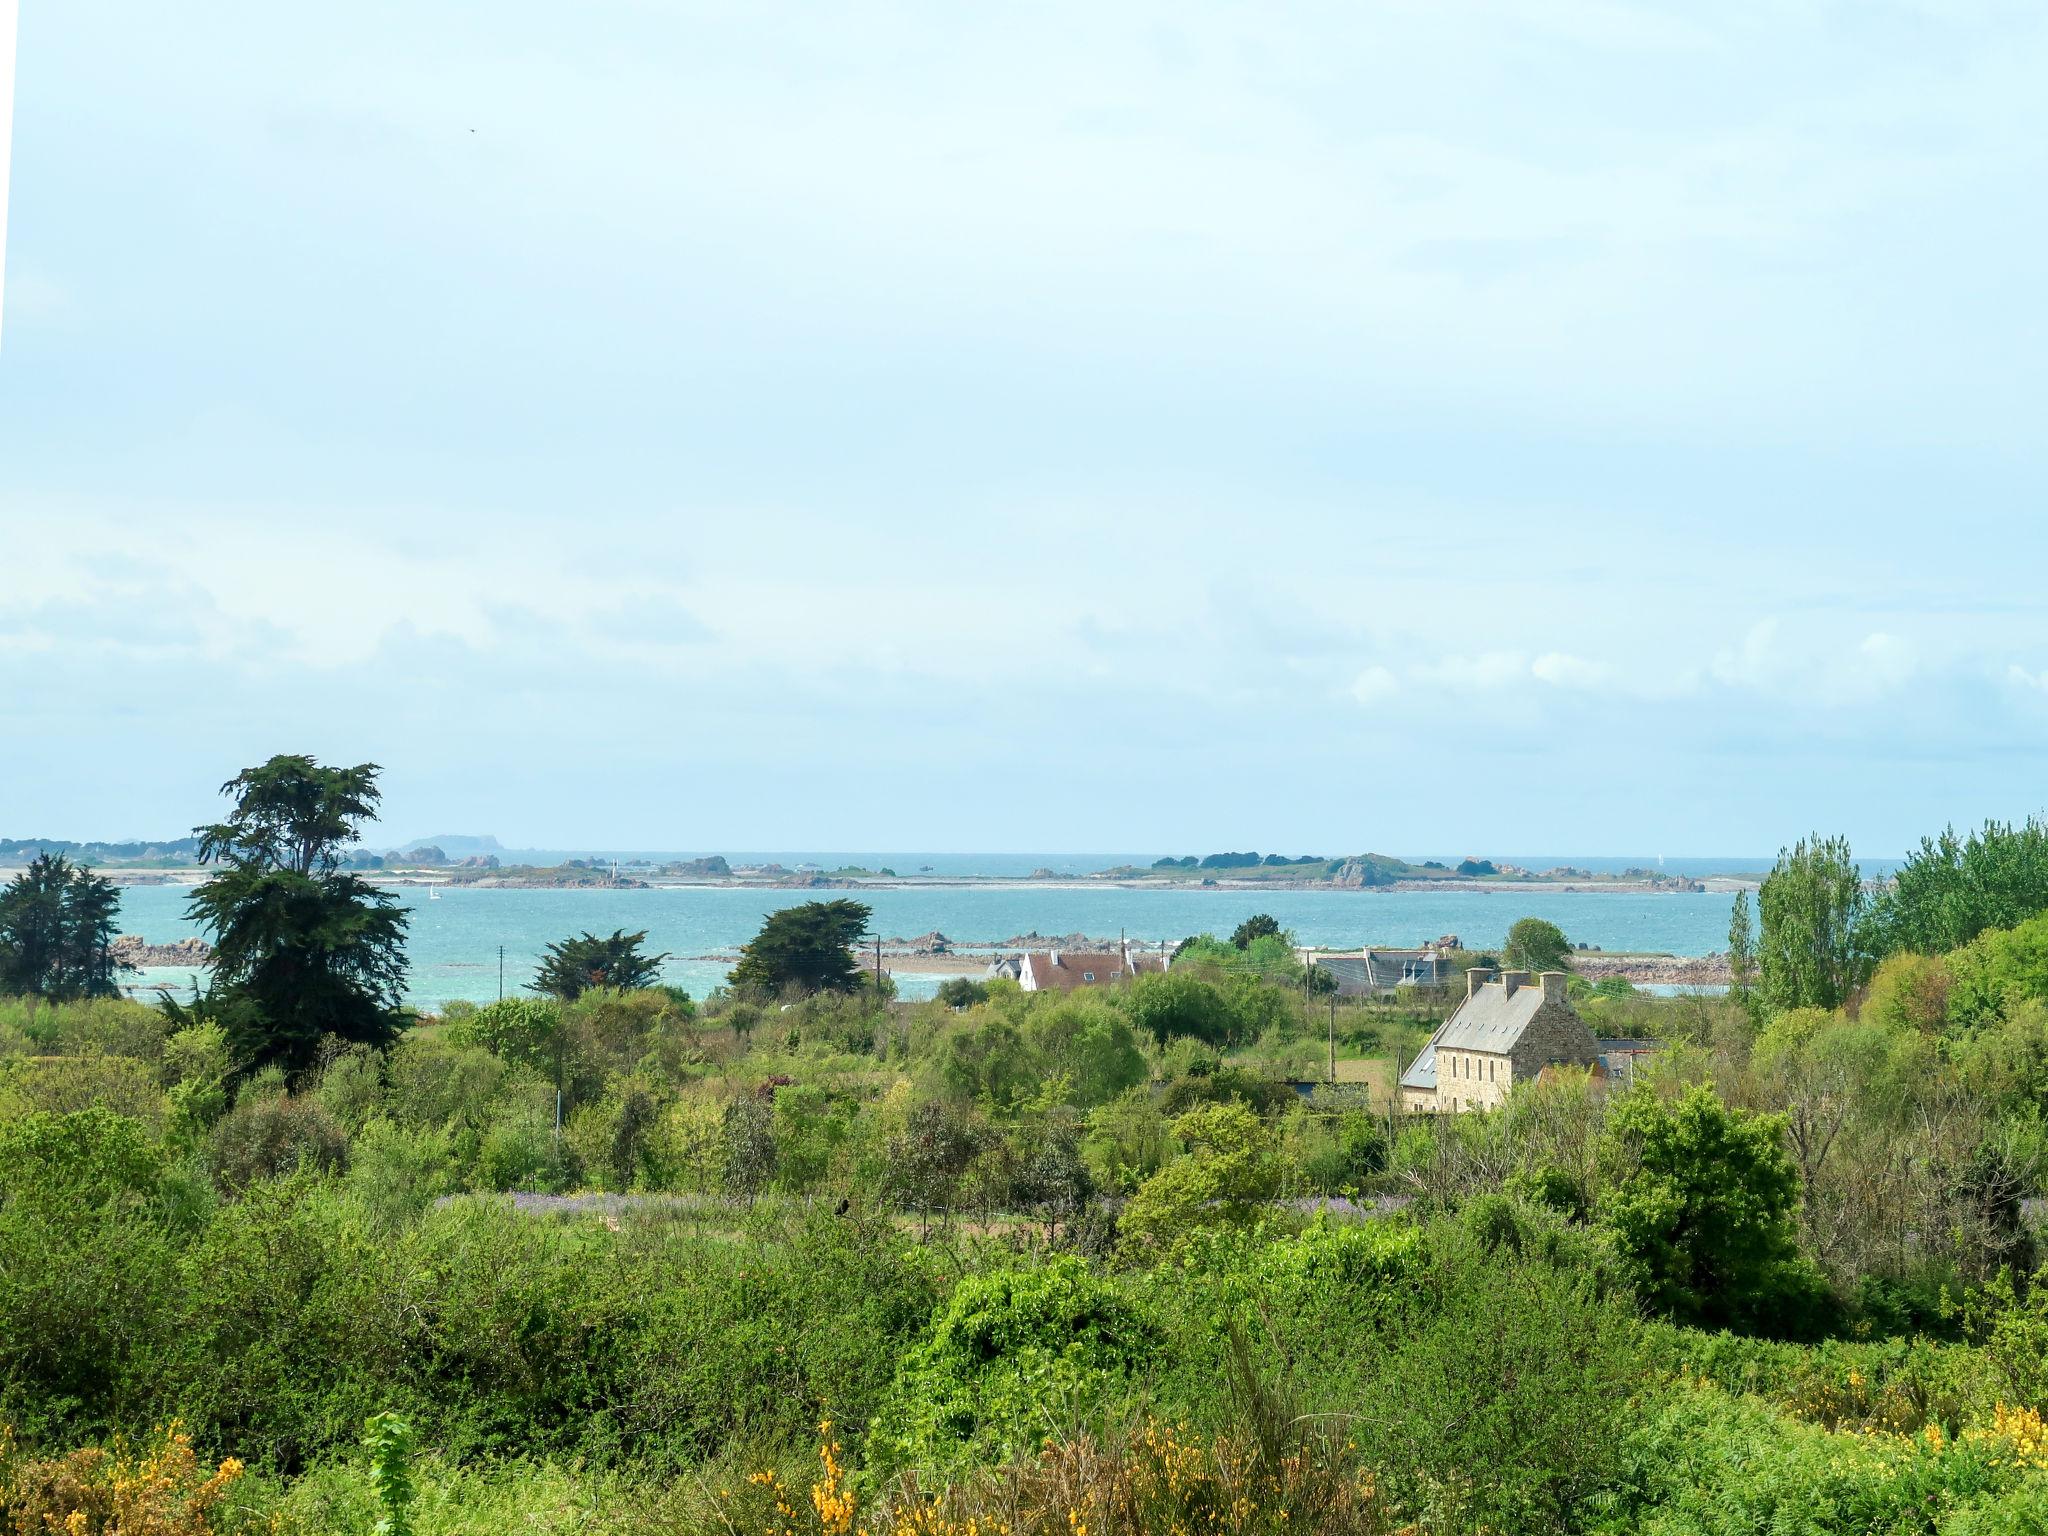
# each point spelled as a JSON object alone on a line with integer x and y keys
{"x": 1584, "y": 426}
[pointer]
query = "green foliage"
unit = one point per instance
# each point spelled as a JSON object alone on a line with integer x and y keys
{"x": 78, "y": 1161}
{"x": 57, "y": 932}
{"x": 269, "y": 1134}
{"x": 807, "y": 947}
{"x": 748, "y": 1134}
{"x": 927, "y": 1162}
{"x": 1259, "y": 926}
{"x": 1908, "y": 992}
{"x": 1174, "y": 1005}
{"x": 586, "y": 962}
{"x": 1229, "y": 1172}
{"x": 1997, "y": 972}
{"x": 526, "y": 1031}
{"x": 390, "y": 1441}
{"x": 1015, "y": 1358}
{"x": 1503, "y": 1401}
{"x": 301, "y": 950}
{"x": 962, "y": 992}
{"x": 1812, "y": 908}
{"x": 1535, "y": 944}
{"x": 1741, "y": 948}
{"x": 1699, "y": 1199}
{"x": 1951, "y": 889}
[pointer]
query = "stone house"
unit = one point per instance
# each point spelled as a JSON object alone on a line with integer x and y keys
{"x": 1508, "y": 1030}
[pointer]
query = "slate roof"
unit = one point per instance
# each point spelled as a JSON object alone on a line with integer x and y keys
{"x": 1380, "y": 969}
{"x": 1488, "y": 1020}
{"x": 1421, "y": 1071}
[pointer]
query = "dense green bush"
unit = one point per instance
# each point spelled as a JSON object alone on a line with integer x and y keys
{"x": 1014, "y": 1358}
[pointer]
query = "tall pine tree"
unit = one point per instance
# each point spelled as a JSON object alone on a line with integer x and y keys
{"x": 301, "y": 949}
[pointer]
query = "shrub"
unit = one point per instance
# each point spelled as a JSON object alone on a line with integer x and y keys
{"x": 1014, "y": 1359}
{"x": 1226, "y": 1176}
{"x": 1699, "y": 1199}
{"x": 161, "y": 1492}
{"x": 266, "y": 1135}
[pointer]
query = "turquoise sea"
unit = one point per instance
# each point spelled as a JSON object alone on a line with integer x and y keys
{"x": 455, "y": 940}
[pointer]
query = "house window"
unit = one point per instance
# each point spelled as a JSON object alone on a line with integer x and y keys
{"x": 1087, "y": 975}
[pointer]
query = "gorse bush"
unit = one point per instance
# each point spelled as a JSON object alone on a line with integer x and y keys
{"x": 162, "y": 1491}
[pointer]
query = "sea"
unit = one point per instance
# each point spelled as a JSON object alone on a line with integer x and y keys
{"x": 471, "y": 943}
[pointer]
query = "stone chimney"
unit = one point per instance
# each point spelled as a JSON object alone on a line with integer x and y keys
{"x": 1553, "y": 987}
{"x": 1510, "y": 980}
{"x": 1476, "y": 978}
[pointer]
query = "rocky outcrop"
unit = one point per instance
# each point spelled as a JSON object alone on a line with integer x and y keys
{"x": 132, "y": 950}
{"x": 712, "y": 867}
{"x": 1656, "y": 970}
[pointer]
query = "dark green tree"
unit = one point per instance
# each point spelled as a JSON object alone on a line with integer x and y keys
{"x": 1175, "y": 1004}
{"x": 302, "y": 949}
{"x": 572, "y": 967}
{"x": 57, "y": 932}
{"x": 1699, "y": 1198}
{"x": 808, "y": 946}
{"x": 1258, "y": 926}
{"x": 1537, "y": 945}
{"x": 1812, "y": 909}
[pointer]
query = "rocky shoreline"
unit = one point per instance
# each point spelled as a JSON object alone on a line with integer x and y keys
{"x": 133, "y": 952}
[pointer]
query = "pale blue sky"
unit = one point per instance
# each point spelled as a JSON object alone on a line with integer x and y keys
{"x": 1578, "y": 425}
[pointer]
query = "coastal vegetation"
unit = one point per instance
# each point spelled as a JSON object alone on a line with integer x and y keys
{"x": 57, "y": 932}
{"x": 586, "y": 962}
{"x": 803, "y": 1256}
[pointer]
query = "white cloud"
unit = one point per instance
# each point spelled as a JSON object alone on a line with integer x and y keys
{"x": 2036, "y": 681}
{"x": 1488, "y": 672}
{"x": 1574, "y": 672}
{"x": 1374, "y": 685}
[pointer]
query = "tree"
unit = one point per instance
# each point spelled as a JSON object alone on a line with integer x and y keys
{"x": 1812, "y": 910}
{"x": 1225, "y": 1178}
{"x": 1699, "y": 1198}
{"x": 572, "y": 967}
{"x": 1536, "y": 945}
{"x": 529, "y": 1032}
{"x": 301, "y": 949}
{"x": 1260, "y": 926}
{"x": 808, "y": 946}
{"x": 1741, "y": 950}
{"x": 1174, "y": 1004}
{"x": 962, "y": 992}
{"x": 57, "y": 932}
{"x": 925, "y": 1163}
{"x": 749, "y": 1144}
{"x": 1951, "y": 890}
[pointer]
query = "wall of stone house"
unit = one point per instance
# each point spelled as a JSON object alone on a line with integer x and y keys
{"x": 1555, "y": 1034}
{"x": 1463, "y": 1081}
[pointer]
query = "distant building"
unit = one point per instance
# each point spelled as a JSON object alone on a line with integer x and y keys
{"x": 1620, "y": 1058}
{"x": 1508, "y": 1030}
{"x": 1378, "y": 972}
{"x": 1053, "y": 970}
